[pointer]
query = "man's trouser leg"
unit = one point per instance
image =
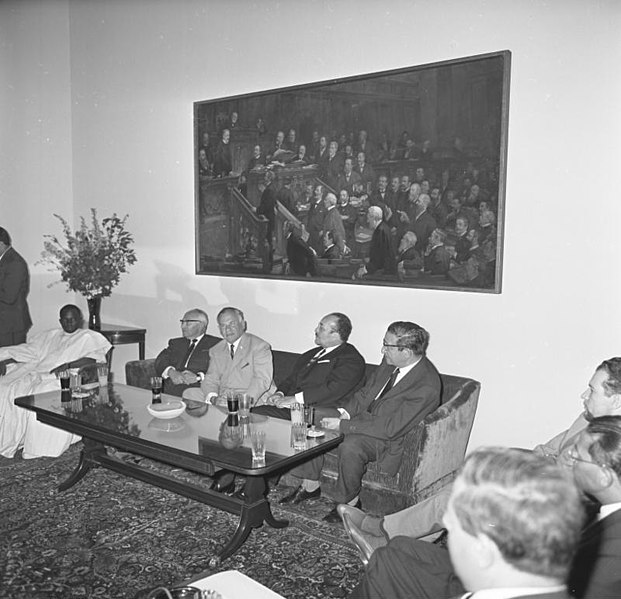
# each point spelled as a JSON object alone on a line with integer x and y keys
{"x": 407, "y": 569}
{"x": 419, "y": 520}
{"x": 355, "y": 452}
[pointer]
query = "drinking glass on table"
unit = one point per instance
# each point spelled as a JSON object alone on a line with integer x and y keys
{"x": 297, "y": 413}
{"x": 245, "y": 403}
{"x": 102, "y": 374}
{"x": 232, "y": 402}
{"x": 298, "y": 435}
{"x": 75, "y": 379}
{"x": 257, "y": 439}
{"x": 156, "y": 389}
{"x": 65, "y": 380}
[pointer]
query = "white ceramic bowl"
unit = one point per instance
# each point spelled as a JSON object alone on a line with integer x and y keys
{"x": 166, "y": 410}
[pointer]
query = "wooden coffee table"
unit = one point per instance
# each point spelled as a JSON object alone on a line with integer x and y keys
{"x": 118, "y": 417}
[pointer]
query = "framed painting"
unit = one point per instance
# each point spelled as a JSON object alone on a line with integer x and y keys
{"x": 394, "y": 178}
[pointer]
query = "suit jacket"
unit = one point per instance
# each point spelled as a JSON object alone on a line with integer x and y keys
{"x": 438, "y": 261}
{"x": 302, "y": 259}
{"x": 174, "y": 354}
{"x": 423, "y": 226}
{"x": 415, "y": 396}
{"x": 343, "y": 183}
{"x": 267, "y": 208}
{"x": 596, "y": 571}
{"x": 333, "y": 222}
{"x": 329, "y": 380}
{"x": 250, "y": 371}
{"x": 381, "y": 252}
{"x": 14, "y": 288}
{"x": 314, "y": 225}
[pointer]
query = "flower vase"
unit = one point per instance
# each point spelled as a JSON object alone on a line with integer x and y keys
{"x": 94, "y": 311}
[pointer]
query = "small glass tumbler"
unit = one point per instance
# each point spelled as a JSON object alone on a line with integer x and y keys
{"x": 75, "y": 379}
{"x": 102, "y": 374}
{"x": 297, "y": 413}
{"x": 156, "y": 389}
{"x": 65, "y": 380}
{"x": 232, "y": 402}
{"x": 245, "y": 403}
{"x": 257, "y": 439}
{"x": 298, "y": 436}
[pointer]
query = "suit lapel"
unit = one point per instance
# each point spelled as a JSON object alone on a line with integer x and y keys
{"x": 404, "y": 381}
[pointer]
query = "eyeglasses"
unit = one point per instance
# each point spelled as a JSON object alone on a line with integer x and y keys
{"x": 571, "y": 454}
{"x": 182, "y": 321}
{"x": 384, "y": 344}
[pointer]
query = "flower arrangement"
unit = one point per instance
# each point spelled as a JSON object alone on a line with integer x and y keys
{"x": 93, "y": 257}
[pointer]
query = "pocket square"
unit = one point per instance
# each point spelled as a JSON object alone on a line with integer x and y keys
{"x": 323, "y": 361}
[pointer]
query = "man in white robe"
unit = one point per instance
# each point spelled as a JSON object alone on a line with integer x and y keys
{"x": 32, "y": 367}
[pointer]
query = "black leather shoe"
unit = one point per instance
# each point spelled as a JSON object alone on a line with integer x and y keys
{"x": 333, "y": 516}
{"x": 300, "y": 495}
{"x": 224, "y": 482}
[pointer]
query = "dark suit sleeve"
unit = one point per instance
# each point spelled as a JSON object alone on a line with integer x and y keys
{"x": 329, "y": 381}
{"x": 395, "y": 415}
{"x": 12, "y": 278}
{"x": 346, "y": 372}
{"x": 165, "y": 358}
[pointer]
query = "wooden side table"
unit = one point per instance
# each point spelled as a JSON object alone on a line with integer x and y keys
{"x": 118, "y": 334}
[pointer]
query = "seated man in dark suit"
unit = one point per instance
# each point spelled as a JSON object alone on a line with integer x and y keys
{"x": 404, "y": 389}
{"x": 514, "y": 522}
{"x": 324, "y": 375}
{"x": 184, "y": 362}
{"x": 526, "y": 522}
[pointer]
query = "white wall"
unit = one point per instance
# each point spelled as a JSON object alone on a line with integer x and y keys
{"x": 136, "y": 67}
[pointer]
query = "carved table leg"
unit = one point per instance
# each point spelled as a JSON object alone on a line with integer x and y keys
{"x": 90, "y": 449}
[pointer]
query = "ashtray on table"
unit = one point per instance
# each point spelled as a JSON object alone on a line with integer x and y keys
{"x": 166, "y": 410}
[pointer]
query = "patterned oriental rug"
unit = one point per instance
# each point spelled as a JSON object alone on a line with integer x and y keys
{"x": 113, "y": 537}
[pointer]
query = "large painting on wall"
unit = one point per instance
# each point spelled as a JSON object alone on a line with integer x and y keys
{"x": 394, "y": 178}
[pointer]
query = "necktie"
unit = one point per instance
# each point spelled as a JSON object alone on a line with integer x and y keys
{"x": 389, "y": 385}
{"x": 316, "y": 357}
{"x": 188, "y": 353}
{"x": 232, "y": 351}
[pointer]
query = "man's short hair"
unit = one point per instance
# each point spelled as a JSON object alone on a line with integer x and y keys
{"x": 201, "y": 314}
{"x": 612, "y": 368}
{"x": 4, "y": 236}
{"x": 411, "y": 238}
{"x": 463, "y": 219}
{"x": 343, "y": 325}
{"x": 527, "y": 505}
{"x": 605, "y": 432}
{"x": 237, "y": 311}
{"x": 411, "y": 336}
{"x": 441, "y": 234}
{"x": 376, "y": 212}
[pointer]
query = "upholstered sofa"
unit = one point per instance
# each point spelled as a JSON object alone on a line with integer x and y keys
{"x": 433, "y": 451}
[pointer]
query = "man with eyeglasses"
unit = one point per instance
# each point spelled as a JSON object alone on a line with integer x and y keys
{"x": 595, "y": 459}
{"x": 240, "y": 363}
{"x": 533, "y": 542}
{"x": 404, "y": 389}
{"x": 184, "y": 362}
{"x": 601, "y": 398}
